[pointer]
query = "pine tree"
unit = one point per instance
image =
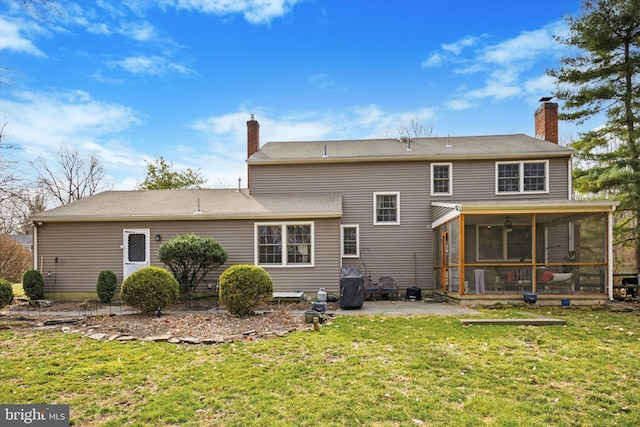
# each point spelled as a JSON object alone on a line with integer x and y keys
{"x": 604, "y": 78}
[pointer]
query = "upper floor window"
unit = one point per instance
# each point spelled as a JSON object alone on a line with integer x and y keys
{"x": 350, "y": 241}
{"x": 386, "y": 208}
{"x": 284, "y": 244}
{"x": 522, "y": 177}
{"x": 441, "y": 179}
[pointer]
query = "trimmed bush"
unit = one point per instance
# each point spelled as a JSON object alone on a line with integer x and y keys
{"x": 106, "y": 285}
{"x": 244, "y": 287}
{"x": 6, "y": 293}
{"x": 33, "y": 284}
{"x": 190, "y": 258}
{"x": 149, "y": 289}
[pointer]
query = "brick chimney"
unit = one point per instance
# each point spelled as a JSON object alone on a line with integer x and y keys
{"x": 253, "y": 136}
{"x": 547, "y": 122}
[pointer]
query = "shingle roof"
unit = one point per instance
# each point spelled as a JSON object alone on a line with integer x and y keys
{"x": 443, "y": 148}
{"x": 194, "y": 205}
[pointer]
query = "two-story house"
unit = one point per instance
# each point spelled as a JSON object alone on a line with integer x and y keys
{"x": 477, "y": 219}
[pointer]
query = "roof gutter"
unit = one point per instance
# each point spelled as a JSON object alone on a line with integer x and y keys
{"x": 141, "y": 218}
{"x": 431, "y": 158}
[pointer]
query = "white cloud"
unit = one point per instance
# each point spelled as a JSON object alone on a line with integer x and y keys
{"x": 450, "y": 51}
{"x": 458, "y": 104}
{"x": 227, "y": 134}
{"x": 142, "y": 31}
{"x": 434, "y": 60}
{"x": 457, "y": 47}
{"x": 254, "y": 11}
{"x": 151, "y": 65}
{"x": 12, "y": 38}
{"x": 43, "y": 122}
{"x": 324, "y": 81}
{"x": 543, "y": 84}
{"x": 511, "y": 68}
{"x": 527, "y": 46}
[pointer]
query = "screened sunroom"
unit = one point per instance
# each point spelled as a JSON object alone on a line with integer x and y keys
{"x": 501, "y": 250}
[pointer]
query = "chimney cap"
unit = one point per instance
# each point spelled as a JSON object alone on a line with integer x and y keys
{"x": 545, "y": 99}
{"x": 253, "y": 116}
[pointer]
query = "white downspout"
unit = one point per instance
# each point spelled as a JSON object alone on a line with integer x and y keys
{"x": 35, "y": 247}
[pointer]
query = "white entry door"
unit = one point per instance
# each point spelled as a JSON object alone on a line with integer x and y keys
{"x": 135, "y": 251}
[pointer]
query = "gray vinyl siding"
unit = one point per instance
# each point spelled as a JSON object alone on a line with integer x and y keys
{"x": 84, "y": 249}
{"x": 405, "y": 251}
{"x": 475, "y": 181}
{"x": 401, "y": 251}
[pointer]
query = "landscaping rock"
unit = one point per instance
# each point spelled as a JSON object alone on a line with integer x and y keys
{"x": 156, "y": 338}
{"x": 98, "y": 336}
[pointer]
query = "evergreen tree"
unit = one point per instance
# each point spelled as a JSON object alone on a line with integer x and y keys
{"x": 604, "y": 78}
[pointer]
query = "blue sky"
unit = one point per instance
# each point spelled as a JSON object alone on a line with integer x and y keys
{"x": 134, "y": 80}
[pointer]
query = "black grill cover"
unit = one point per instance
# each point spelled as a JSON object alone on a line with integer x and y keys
{"x": 351, "y": 288}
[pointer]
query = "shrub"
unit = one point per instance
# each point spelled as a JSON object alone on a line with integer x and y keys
{"x": 190, "y": 258}
{"x": 149, "y": 289}
{"x": 106, "y": 285}
{"x": 6, "y": 293}
{"x": 244, "y": 287}
{"x": 16, "y": 259}
{"x": 33, "y": 284}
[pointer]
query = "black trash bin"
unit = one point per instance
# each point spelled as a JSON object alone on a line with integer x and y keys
{"x": 351, "y": 288}
{"x": 414, "y": 293}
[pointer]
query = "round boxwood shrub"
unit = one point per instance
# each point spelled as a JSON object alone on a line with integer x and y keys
{"x": 33, "y": 284}
{"x": 106, "y": 285}
{"x": 244, "y": 287}
{"x": 149, "y": 289}
{"x": 6, "y": 293}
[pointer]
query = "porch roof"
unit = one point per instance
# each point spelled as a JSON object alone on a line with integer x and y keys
{"x": 194, "y": 205}
{"x": 510, "y": 207}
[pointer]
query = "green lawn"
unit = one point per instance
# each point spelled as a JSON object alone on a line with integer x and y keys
{"x": 369, "y": 371}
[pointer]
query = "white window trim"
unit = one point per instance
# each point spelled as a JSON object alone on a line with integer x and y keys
{"x": 450, "y": 193}
{"x": 521, "y": 178}
{"x": 256, "y": 239}
{"x": 375, "y": 209}
{"x": 357, "y": 254}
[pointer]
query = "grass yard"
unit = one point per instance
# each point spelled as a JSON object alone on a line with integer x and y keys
{"x": 369, "y": 371}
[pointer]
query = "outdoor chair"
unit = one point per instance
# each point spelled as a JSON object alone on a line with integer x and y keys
{"x": 371, "y": 290}
{"x": 552, "y": 281}
{"x": 388, "y": 286}
{"x": 493, "y": 281}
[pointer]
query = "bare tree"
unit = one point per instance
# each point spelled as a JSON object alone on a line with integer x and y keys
{"x": 75, "y": 177}
{"x": 413, "y": 129}
{"x": 11, "y": 186}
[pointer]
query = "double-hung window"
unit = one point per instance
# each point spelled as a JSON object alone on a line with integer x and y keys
{"x": 522, "y": 177}
{"x": 386, "y": 208}
{"x": 350, "y": 241}
{"x": 441, "y": 184}
{"x": 288, "y": 244}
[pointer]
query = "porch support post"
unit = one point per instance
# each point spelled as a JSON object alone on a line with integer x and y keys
{"x": 610, "y": 253}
